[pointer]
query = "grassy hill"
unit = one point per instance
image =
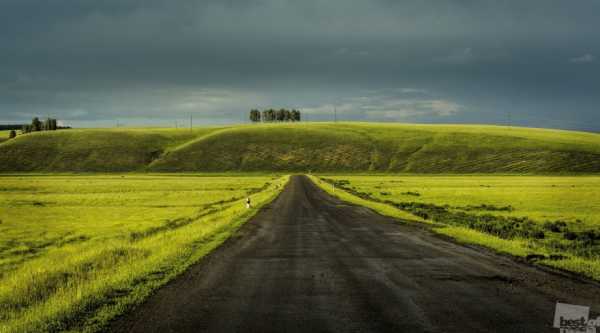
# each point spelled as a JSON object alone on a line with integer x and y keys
{"x": 324, "y": 147}
{"x": 91, "y": 149}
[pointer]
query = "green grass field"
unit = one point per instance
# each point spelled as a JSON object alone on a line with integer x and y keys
{"x": 554, "y": 220}
{"x": 77, "y": 250}
{"x": 304, "y": 147}
{"x": 4, "y": 136}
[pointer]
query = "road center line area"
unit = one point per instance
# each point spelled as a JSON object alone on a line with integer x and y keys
{"x": 310, "y": 263}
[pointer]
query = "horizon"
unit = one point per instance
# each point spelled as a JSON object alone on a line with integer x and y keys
{"x": 323, "y": 122}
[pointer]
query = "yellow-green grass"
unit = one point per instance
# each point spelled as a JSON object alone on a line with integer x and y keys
{"x": 76, "y": 251}
{"x": 4, "y": 135}
{"x": 304, "y": 147}
{"x": 589, "y": 267}
{"x": 381, "y": 208}
{"x": 574, "y": 200}
{"x": 91, "y": 150}
{"x": 541, "y": 198}
{"x": 516, "y": 247}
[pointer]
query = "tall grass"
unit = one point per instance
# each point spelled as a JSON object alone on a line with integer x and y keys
{"x": 574, "y": 201}
{"x": 81, "y": 286}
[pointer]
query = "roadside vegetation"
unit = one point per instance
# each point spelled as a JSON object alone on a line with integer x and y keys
{"x": 553, "y": 221}
{"x": 76, "y": 251}
{"x": 308, "y": 147}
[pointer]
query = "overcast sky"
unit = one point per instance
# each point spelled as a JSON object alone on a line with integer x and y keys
{"x": 149, "y": 62}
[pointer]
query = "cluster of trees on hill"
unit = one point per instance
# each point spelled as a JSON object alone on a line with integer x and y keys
{"x": 50, "y": 124}
{"x": 271, "y": 115}
{"x": 37, "y": 125}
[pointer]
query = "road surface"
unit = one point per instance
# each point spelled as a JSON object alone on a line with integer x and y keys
{"x": 311, "y": 263}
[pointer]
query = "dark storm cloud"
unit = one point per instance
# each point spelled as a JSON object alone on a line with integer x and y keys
{"x": 92, "y": 62}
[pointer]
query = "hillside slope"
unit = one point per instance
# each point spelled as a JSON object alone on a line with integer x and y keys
{"x": 84, "y": 150}
{"x": 324, "y": 147}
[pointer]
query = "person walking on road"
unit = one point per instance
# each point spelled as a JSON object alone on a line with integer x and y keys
{"x": 248, "y": 205}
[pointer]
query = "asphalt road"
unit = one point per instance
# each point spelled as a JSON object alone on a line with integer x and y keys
{"x": 311, "y": 263}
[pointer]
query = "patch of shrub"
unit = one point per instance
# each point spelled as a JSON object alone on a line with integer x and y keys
{"x": 588, "y": 237}
{"x": 556, "y": 226}
{"x": 414, "y": 194}
{"x": 490, "y": 208}
{"x": 569, "y": 235}
{"x": 535, "y": 257}
{"x": 557, "y": 257}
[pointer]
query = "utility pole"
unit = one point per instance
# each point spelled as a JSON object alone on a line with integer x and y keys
{"x": 335, "y": 114}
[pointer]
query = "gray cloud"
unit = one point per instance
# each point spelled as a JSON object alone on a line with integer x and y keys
{"x": 89, "y": 62}
{"x": 460, "y": 56}
{"x": 391, "y": 104}
{"x": 583, "y": 59}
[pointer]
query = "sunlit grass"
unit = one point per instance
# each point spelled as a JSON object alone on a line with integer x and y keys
{"x": 381, "y": 208}
{"x": 70, "y": 264}
{"x": 516, "y": 247}
{"x": 540, "y": 199}
{"x": 307, "y": 147}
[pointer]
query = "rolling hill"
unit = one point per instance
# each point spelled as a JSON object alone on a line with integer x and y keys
{"x": 301, "y": 147}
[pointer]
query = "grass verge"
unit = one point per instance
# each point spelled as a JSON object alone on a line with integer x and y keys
{"x": 535, "y": 251}
{"x": 381, "y": 208}
{"x": 81, "y": 287}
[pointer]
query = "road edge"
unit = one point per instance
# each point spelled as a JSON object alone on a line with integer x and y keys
{"x": 436, "y": 229}
{"x": 107, "y": 317}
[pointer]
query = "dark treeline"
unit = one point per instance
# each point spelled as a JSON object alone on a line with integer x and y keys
{"x": 37, "y": 125}
{"x": 7, "y": 127}
{"x": 271, "y": 115}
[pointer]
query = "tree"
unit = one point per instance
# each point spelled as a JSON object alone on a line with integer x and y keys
{"x": 280, "y": 115}
{"x": 53, "y": 125}
{"x": 295, "y": 115}
{"x": 271, "y": 115}
{"x": 46, "y": 125}
{"x": 12, "y": 134}
{"x": 26, "y": 129}
{"x": 254, "y": 115}
{"x": 36, "y": 125}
